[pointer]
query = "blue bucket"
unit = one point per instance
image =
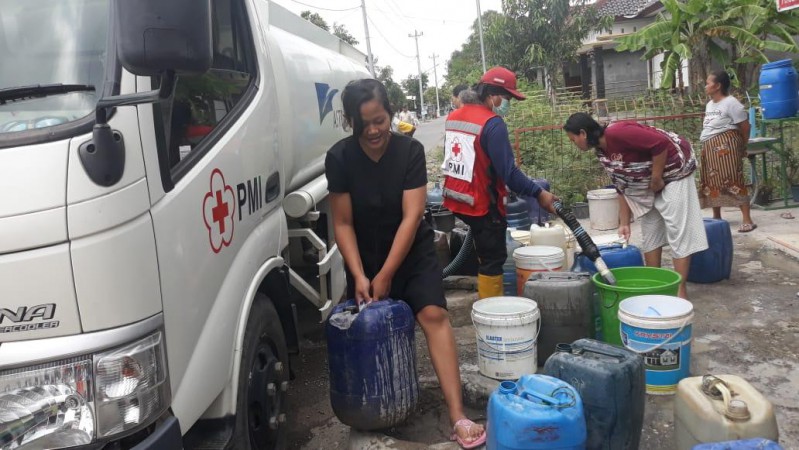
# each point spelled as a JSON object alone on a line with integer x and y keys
{"x": 658, "y": 327}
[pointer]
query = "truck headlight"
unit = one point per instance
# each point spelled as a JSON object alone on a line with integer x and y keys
{"x": 77, "y": 401}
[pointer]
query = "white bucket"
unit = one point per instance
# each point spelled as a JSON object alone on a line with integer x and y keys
{"x": 507, "y": 333}
{"x": 520, "y": 236}
{"x": 659, "y": 328}
{"x": 536, "y": 258}
{"x": 603, "y": 209}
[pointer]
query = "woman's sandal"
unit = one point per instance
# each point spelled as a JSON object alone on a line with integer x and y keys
{"x": 467, "y": 425}
{"x": 746, "y": 227}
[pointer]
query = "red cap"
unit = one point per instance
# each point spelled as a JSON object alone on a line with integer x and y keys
{"x": 504, "y": 78}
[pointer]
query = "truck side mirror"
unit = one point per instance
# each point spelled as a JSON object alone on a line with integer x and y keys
{"x": 154, "y": 36}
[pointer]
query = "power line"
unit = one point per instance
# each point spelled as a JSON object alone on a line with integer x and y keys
{"x": 387, "y": 40}
{"x": 325, "y": 9}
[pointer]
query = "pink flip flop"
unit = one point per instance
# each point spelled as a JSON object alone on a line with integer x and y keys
{"x": 467, "y": 424}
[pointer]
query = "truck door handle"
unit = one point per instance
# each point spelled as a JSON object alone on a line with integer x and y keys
{"x": 272, "y": 187}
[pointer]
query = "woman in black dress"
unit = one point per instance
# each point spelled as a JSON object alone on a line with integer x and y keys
{"x": 377, "y": 182}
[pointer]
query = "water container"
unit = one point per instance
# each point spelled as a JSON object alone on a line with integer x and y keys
{"x": 778, "y": 86}
{"x": 547, "y": 234}
{"x": 372, "y": 362}
{"x": 610, "y": 381}
{"x": 715, "y": 263}
{"x": 520, "y": 236}
{"x": 721, "y": 408}
{"x": 470, "y": 265}
{"x": 506, "y": 329}
{"x": 536, "y": 258}
{"x": 536, "y": 412}
{"x": 538, "y": 215}
{"x": 435, "y": 196}
{"x": 517, "y": 213}
{"x": 615, "y": 256}
{"x": 565, "y": 300}
{"x": 630, "y": 282}
{"x": 603, "y": 209}
{"x": 509, "y": 286}
{"x": 744, "y": 444}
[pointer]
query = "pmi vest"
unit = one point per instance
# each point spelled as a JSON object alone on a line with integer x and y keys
{"x": 471, "y": 186}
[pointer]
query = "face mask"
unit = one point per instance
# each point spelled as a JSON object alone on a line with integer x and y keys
{"x": 503, "y": 108}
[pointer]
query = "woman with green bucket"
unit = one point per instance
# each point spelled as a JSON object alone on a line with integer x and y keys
{"x": 652, "y": 169}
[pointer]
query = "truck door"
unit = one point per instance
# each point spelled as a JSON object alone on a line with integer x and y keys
{"x": 219, "y": 133}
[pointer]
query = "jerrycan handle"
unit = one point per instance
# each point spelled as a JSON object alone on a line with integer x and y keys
{"x": 550, "y": 399}
{"x": 587, "y": 347}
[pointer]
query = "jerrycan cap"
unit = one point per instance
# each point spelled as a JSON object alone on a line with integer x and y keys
{"x": 737, "y": 410}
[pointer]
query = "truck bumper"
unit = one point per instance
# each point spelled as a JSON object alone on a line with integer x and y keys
{"x": 165, "y": 437}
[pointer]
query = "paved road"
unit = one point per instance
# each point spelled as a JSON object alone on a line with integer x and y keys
{"x": 431, "y": 133}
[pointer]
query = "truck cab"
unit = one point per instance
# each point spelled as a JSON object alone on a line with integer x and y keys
{"x": 162, "y": 196}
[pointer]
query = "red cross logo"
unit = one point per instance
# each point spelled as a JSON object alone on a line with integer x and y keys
{"x": 456, "y": 151}
{"x": 219, "y": 205}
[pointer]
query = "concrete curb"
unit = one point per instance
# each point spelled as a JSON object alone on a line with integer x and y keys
{"x": 782, "y": 246}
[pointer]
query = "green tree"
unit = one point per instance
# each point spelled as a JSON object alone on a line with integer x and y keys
{"x": 465, "y": 66}
{"x": 315, "y": 19}
{"x": 534, "y": 34}
{"x": 342, "y": 33}
{"x": 411, "y": 86}
{"x": 732, "y": 33}
{"x": 395, "y": 94}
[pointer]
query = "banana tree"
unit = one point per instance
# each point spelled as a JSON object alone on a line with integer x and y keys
{"x": 732, "y": 33}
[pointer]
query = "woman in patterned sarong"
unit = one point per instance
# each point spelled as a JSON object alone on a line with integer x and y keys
{"x": 724, "y": 135}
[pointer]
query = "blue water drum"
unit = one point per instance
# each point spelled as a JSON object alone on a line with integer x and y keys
{"x": 509, "y": 285}
{"x": 778, "y": 90}
{"x": 611, "y": 382}
{"x": 372, "y": 362}
{"x": 536, "y": 412}
{"x": 615, "y": 256}
{"x": 715, "y": 263}
{"x": 517, "y": 213}
{"x": 538, "y": 215}
{"x": 746, "y": 444}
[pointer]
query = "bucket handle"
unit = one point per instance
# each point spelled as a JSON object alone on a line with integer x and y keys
{"x": 528, "y": 347}
{"x": 615, "y": 301}
{"x": 671, "y": 338}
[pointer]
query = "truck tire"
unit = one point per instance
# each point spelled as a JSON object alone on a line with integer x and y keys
{"x": 263, "y": 380}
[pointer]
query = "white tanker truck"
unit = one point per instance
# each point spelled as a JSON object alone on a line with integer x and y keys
{"x": 161, "y": 188}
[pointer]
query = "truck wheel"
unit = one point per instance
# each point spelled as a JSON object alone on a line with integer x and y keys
{"x": 263, "y": 380}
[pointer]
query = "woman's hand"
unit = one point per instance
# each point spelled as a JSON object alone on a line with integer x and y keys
{"x": 362, "y": 286}
{"x": 381, "y": 286}
{"x": 657, "y": 184}
{"x": 624, "y": 232}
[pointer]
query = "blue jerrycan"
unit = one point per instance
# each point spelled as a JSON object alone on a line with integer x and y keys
{"x": 536, "y": 412}
{"x": 372, "y": 362}
{"x": 614, "y": 255}
{"x": 715, "y": 263}
{"x": 611, "y": 382}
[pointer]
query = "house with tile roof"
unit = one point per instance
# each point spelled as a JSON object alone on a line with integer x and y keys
{"x": 601, "y": 71}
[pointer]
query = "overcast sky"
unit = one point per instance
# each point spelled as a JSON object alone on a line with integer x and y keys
{"x": 445, "y": 25}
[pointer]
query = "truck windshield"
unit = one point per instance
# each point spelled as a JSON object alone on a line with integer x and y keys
{"x": 46, "y": 43}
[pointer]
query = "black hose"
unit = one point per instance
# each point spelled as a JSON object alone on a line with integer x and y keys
{"x": 586, "y": 243}
{"x": 463, "y": 254}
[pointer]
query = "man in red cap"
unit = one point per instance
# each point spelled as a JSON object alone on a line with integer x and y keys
{"x": 478, "y": 164}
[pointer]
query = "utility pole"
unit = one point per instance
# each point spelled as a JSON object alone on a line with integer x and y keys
{"x": 416, "y": 36}
{"x": 480, "y": 27}
{"x": 368, "y": 43}
{"x": 435, "y": 75}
